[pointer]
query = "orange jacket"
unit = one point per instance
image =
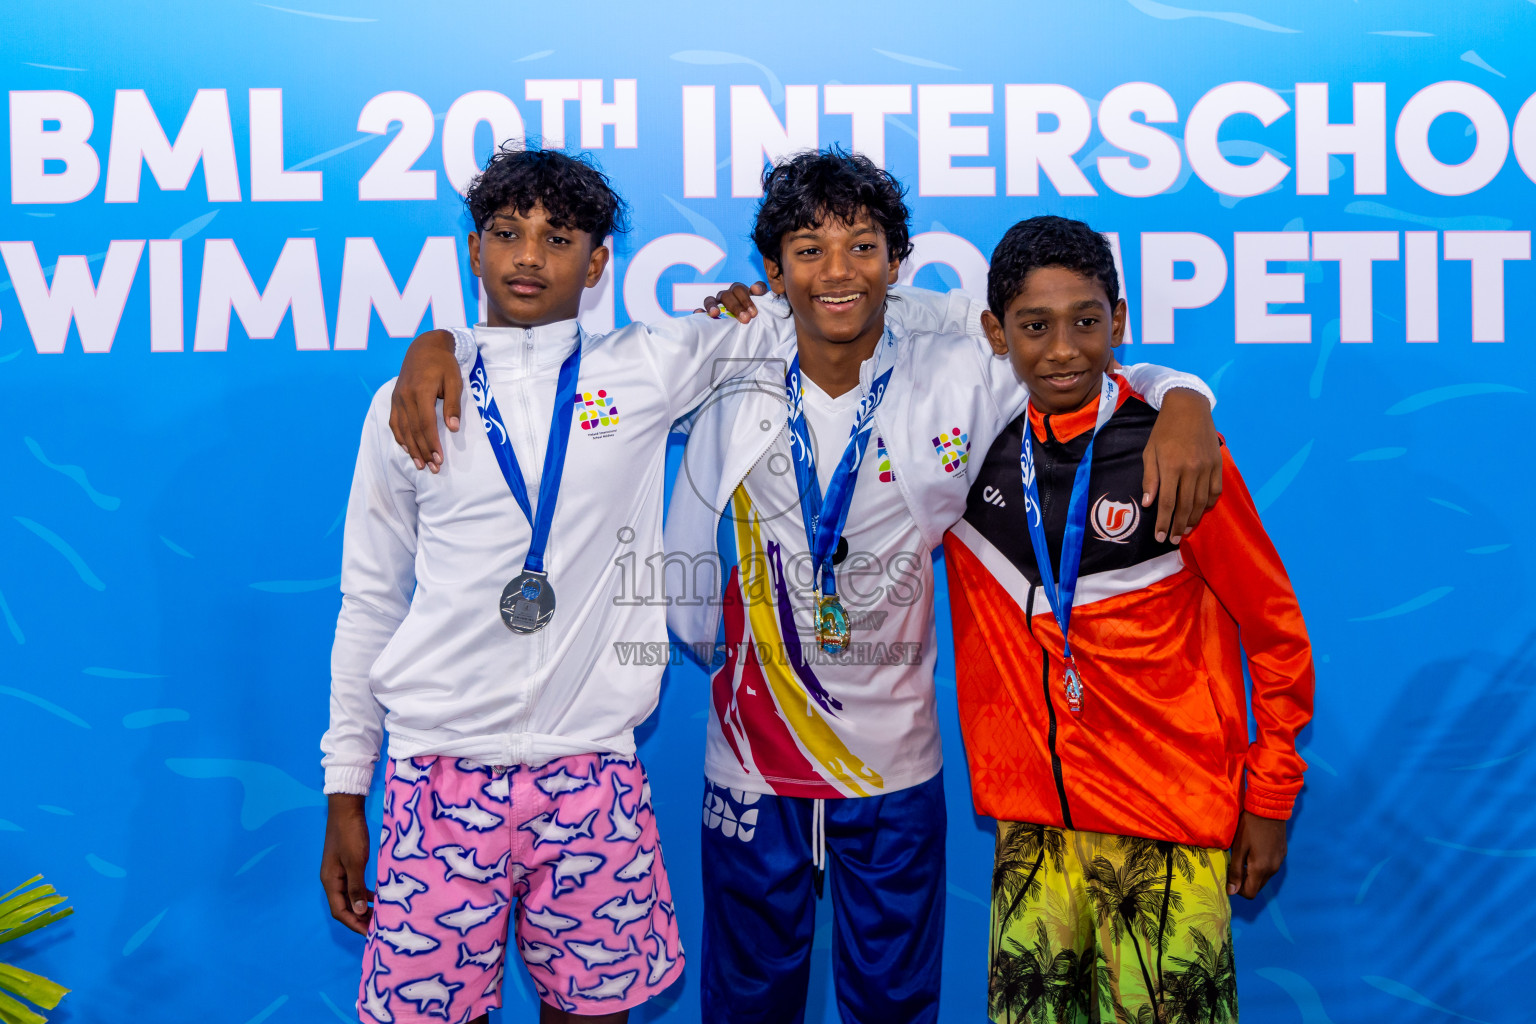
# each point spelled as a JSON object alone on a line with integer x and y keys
{"x": 1161, "y": 747}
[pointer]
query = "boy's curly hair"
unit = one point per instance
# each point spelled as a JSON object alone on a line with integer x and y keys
{"x": 1048, "y": 242}
{"x": 809, "y": 187}
{"x": 573, "y": 192}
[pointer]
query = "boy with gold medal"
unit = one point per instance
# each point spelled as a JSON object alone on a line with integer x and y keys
{"x": 823, "y": 751}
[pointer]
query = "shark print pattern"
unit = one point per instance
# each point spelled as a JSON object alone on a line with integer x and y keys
{"x": 559, "y": 863}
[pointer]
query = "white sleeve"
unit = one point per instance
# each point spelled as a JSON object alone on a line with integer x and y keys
{"x": 919, "y": 309}
{"x": 958, "y": 313}
{"x": 464, "y": 347}
{"x": 378, "y": 577}
{"x": 693, "y": 353}
{"x": 1154, "y": 382}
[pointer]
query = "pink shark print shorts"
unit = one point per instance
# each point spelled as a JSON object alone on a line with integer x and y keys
{"x": 567, "y": 850}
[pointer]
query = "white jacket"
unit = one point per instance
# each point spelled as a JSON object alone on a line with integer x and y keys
{"x": 420, "y": 645}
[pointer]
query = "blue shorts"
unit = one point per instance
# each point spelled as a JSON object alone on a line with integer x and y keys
{"x": 885, "y": 869}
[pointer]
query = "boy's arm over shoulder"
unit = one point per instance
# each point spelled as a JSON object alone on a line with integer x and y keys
{"x": 1234, "y": 555}
{"x": 1153, "y": 383}
{"x": 955, "y": 318}
{"x": 922, "y": 309}
{"x": 378, "y": 577}
{"x": 431, "y": 370}
{"x": 955, "y": 314}
{"x": 915, "y": 310}
{"x": 1182, "y": 463}
{"x": 693, "y": 353}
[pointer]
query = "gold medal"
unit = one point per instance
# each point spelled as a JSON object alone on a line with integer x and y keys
{"x": 832, "y": 629}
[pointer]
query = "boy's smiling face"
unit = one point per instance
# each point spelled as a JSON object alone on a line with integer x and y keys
{"x": 835, "y": 275}
{"x": 1058, "y": 332}
{"x": 533, "y": 271}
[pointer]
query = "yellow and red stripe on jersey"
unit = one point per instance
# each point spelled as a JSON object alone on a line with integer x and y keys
{"x": 763, "y": 694}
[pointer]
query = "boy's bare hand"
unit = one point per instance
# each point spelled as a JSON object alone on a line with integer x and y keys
{"x": 735, "y": 301}
{"x": 428, "y": 373}
{"x": 1257, "y": 853}
{"x": 344, "y": 861}
{"x": 1182, "y": 464}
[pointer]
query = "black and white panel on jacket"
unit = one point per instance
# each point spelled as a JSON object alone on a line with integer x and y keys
{"x": 1120, "y": 533}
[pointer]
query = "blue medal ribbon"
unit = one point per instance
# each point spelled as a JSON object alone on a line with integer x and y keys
{"x": 1060, "y": 593}
{"x": 825, "y": 516}
{"x": 554, "y": 454}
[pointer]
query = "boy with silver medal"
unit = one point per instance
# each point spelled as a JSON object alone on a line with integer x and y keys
{"x": 487, "y": 724}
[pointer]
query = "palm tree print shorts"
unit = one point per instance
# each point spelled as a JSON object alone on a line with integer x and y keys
{"x": 1089, "y": 927}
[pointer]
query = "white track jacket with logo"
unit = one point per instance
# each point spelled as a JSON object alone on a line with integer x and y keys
{"x": 420, "y": 645}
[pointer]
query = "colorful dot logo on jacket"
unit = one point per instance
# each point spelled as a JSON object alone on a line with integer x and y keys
{"x": 883, "y": 457}
{"x": 597, "y": 410}
{"x": 954, "y": 448}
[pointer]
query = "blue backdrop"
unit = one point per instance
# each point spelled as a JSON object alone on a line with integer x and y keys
{"x": 170, "y": 529}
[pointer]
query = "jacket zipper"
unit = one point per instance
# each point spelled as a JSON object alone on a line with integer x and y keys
{"x": 1050, "y": 708}
{"x": 758, "y": 461}
{"x": 520, "y": 751}
{"x": 739, "y": 483}
{"x": 761, "y": 455}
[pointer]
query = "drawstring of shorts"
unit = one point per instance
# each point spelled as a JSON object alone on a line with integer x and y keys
{"x": 819, "y": 835}
{"x": 818, "y": 842}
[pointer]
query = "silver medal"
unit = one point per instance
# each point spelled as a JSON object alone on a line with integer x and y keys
{"x": 528, "y": 603}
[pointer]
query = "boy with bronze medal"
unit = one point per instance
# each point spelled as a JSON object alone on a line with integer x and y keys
{"x": 1101, "y": 673}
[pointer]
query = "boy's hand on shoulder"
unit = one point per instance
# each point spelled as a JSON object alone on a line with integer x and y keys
{"x": 1257, "y": 853}
{"x": 428, "y": 373}
{"x": 344, "y": 862}
{"x": 1182, "y": 464}
{"x": 735, "y": 301}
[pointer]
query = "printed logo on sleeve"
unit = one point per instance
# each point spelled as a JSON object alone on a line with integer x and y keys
{"x": 1114, "y": 521}
{"x": 953, "y": 448}
{"x": 599, "y": 415}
